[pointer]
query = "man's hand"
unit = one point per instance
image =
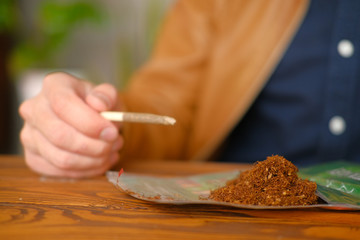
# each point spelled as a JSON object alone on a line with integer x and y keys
{"x": 64, "y": 134}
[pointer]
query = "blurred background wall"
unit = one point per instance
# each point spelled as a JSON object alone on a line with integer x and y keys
{"x": 100, "y": 40}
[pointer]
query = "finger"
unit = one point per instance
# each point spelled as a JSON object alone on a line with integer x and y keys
{"x": 30, "y": 140}
{"x": 26, "y": 138}
{"x": 66, "y": 160}
{"x": 66, "y": 98}
{"x": 102, "y": 97}
{"x": 66, "y": 137}
{"x": 43, "y": 167}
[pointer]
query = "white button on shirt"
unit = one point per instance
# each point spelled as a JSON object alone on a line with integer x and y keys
{"x": 337, "y": 125}
{"x": 345, "y": 48}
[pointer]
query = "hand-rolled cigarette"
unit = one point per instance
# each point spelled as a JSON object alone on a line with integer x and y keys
{"x": 138, "y": 117}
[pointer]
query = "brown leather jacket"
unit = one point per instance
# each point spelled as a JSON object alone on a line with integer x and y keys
{"x": 211, "y": 61}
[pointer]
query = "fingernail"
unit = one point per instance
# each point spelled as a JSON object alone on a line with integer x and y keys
{"x": 102, "y": 97}
{"x": 109, "y": 134}
{"x": 114, "y": 158}
{"x": 117, "y": 145}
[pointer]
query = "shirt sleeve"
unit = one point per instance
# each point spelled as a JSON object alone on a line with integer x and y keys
{"x": 168, "y": 83}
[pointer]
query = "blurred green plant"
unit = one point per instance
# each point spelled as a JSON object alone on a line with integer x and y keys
{"x": 54, "y": 24}
{"x": 8, "y": 15}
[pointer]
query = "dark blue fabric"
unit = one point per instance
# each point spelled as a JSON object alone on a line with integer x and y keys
{"x": 311, "y": 84}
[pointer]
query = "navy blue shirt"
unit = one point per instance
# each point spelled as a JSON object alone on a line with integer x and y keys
{"x": 309, "y": 111}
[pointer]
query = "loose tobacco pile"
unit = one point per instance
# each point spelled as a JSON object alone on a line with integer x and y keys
{"x": 272, "y": 182}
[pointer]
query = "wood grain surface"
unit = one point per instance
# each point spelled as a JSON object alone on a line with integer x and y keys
{"x": 37, "y": 207}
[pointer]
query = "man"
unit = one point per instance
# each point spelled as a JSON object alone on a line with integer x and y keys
{"x": 244, "y": 79}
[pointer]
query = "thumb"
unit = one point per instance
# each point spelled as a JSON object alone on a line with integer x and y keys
{"x": 102, "y": 97}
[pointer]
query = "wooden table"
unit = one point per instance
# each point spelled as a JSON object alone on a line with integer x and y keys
{"x": 35, "y": 207}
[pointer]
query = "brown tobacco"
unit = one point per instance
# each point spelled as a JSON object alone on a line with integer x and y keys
{"x": 272, "y": 182}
